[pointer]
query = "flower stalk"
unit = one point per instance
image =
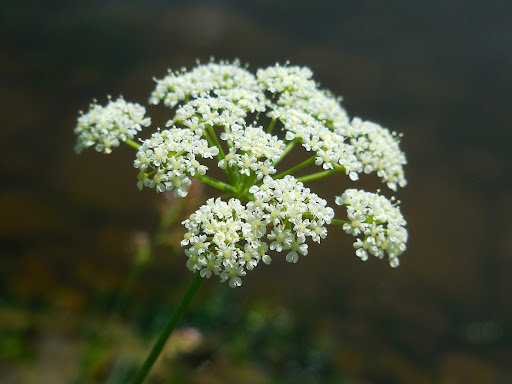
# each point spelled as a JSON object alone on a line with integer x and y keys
{"x": 132, "y": 143}
{"x": 296, "y": 168}
{"x": 168, "y": 329}
{"x": 319, "y": 175}
{"x": 215, "y": 183}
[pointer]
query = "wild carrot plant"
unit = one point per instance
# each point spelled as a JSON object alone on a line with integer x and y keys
{"x": 246, "y": 124}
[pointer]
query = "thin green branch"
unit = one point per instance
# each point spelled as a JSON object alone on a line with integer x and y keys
{"x": 169, "y": 327}
{"x": 215, "y": 183}
{"x": 286, "y": 151}
{"x": 208, "y": 139}
{"x": 271, "y": 126}
{"x": 233, "y": 169}
{"x": 339, "y": 222}
{"x": 319, "y": 175}
{"x": 296, "y": 168}
{"x": 227, "y": 130}
{"x": 216, "y": 142}
{"x": 132, "y": 143}
{"x": 151, "y": 174}
{"x": 229, "y": 172}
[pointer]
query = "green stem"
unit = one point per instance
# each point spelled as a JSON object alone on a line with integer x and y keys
{"x": 209, "y": 140}
{"x": 339, "y": 222}
{"x": 234, "y": 169}
{"x": 169, "y": 327}
{"x": 215, "y": 183}
{"x": 216, "y": 142}
{"x": 286, "y": 151}
{"x": 229, "y": 172}
{"x": 296, "y": 168}
{"x": 132, "y": 143}
{"x": 319, "y": 175}
{"x": 271, "y": 126}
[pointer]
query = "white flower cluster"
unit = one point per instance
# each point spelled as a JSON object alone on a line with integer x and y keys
{"x": 221, "y": 79}
{"x": 247, "y": 146}
{"x": 105, "y": 127}
{"x": 207, "y": 111}
{"x": 321, "y": 124}
{"x": 222, "y": 95}
{"x": 297, "y": 90}
{"x": 213, "y": 103}
{"x": 378, "y": 221}
{"x": 305, "y": 111}
{"x": 378, "y": 150}
{"x": 171, "y": 156}
{"x": 228, "y": 238}
{"x": 329, "y": 146}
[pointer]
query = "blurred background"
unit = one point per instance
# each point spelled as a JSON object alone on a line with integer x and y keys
{"x": 90, "y": 267}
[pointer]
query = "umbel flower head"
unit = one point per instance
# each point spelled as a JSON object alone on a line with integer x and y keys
{"x": 377, "y": 221}
{"x": 246, "y": 124}
{"x": 105, "y": 127}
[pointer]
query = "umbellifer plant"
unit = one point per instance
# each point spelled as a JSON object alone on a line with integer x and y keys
{"x": 246, "y": 124}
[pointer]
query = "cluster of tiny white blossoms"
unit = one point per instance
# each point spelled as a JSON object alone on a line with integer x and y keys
{"x": 228, "y": 238}
{"x": 377, "y": 149}
{"x": 317, "y": 119}
{"x": 378, "y": 221}
{"x": 227, "y": 80}
{"x": 172, "y": 154}
{"x": 308, "y": 115}
{"x": 249, "y": 145}
{"x": 329, "y": 146}
{"x": 296, "y": 90}
{"x": 228, "y": 116}
{"x": 105, "y": 127}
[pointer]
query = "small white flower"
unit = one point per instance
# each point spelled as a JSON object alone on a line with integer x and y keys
{"x": 296, "y": 247}
{"x": 233, "y": 272}
{"x": 282, "y": 238}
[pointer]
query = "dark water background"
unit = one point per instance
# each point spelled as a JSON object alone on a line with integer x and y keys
{"x": 438, "y": 71}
